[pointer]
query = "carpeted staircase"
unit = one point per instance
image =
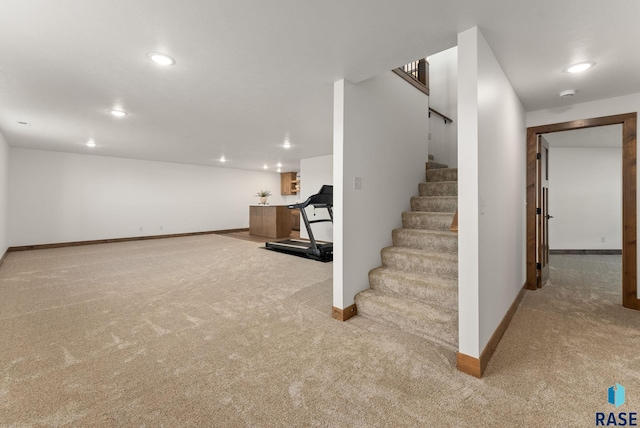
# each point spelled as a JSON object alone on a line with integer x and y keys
{"x": 416, "y": 288}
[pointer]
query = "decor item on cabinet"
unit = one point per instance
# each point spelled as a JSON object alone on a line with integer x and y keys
{"x": 263, "y": 194}
{"x": 289, "y": 183}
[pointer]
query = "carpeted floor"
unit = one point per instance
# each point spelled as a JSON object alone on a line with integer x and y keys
{"x": 215, "y": 331}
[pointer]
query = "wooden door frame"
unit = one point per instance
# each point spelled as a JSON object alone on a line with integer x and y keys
{"x": 629, "y": 219}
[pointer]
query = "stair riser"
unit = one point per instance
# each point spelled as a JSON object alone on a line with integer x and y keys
{"x": 444, "y": 333}
{"x": 449, "y": 174}
{"x": 424, "y": 220}
{"x": 409, "y": 238}
{"x": 444, "y": 188}
{"x": 420, "y": 263}
{"x": 434, "y": 204}
{"x": 436, "y": 165}
{"x": 434, "y": 295}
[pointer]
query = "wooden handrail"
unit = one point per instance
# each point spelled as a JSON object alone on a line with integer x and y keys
{"x": 446, "y": 119}
{"x": 416, "y": 73}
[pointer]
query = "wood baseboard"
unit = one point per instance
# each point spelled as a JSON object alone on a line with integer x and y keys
{"x": 469, "y": 365}
{"x": 477, "y": 366}
{"x": 107, "y": 241}
{"x": 454, "y": 223}
{"x": 588, "y": 252}
{"x": 344, "y": 314}
{"x": 4, "y": 256}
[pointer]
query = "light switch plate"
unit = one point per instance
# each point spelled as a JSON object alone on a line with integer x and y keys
{"x": 357, "y": 183}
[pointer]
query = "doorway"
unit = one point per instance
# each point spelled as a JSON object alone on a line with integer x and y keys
{"x": 536, "y": 247}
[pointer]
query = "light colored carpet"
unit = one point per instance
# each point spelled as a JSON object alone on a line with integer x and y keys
{"x": 214, "y": 331}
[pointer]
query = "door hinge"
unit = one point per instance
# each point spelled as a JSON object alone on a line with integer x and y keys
{"x": 538, "y": 266}
{"x": 538, "y": 156}
{"x": 538, "y": 210}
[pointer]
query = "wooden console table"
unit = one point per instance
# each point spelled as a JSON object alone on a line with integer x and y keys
{"x": 270, "y": 221}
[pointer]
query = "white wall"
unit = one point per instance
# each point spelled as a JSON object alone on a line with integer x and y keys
{"x": 443, "y": 97}
{"x": 314, "y": 173}
{"x": 606, "y": 107}
{"x": 380, "y": 135}
{"x": 61, "y": 197}
{"x": 491, "y": 193}
{"x": 585, "y": 198}
{"x": 4, "y": 195}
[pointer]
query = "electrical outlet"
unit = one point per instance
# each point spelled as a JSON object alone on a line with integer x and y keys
{"x": 602, "y": 239}
{"x": 161, "y": 227}
{"x": 140, "y": 228}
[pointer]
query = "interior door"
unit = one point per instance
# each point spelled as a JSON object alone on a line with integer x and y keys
{"x": 542, "y": 212}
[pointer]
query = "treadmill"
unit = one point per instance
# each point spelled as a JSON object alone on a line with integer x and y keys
{"x": 322, "y": 251}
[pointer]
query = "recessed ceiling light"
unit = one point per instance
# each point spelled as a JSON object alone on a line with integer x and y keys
{"x": 22, "y": 123}
{"x": 91, "y": 143}
{"x": 279, "y": 170}
{"x": 265, "y": 166}
{"x": 279, "y": 165}
{"x": 118, "y": 113}
{"x": 161, "y": 59}
{"x": 578, "y": 68}
{"x": 286, "y": 144}
{"x": 223, "y": 159}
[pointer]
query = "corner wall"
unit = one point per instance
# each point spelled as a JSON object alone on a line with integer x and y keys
{"x": 491, "y": 193}
{"x": 380, "y": 135}
{"x": 443, "y": 97}
{"x": 62, "y": 197}
{"x": 4, "y": 195}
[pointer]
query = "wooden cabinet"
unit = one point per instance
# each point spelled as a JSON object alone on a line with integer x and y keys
{"x": 289, "y": 183}
{"x": 270, "y": 221}
{"x": 295, "y": 219}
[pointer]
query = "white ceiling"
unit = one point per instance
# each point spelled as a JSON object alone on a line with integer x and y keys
{"x": 599, "y": 137}
{"x": 250, "y": 73}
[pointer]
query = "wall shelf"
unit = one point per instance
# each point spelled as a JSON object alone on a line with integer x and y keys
{"x": 289, "y": 183}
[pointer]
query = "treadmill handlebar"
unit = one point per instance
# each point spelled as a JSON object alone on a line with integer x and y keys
{"x": 322, "y": 199}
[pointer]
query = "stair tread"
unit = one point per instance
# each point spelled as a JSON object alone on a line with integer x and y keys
{"x": 437, "y": 165}
{"x": 429, "y": 213}
{"x": 431, "y": 289}
{"x": 437, "y": 197}
{"x": 427, "y": 220}
{"x": 431, "y": 280}
{"x": 434, "y": 203}
{"x": 417, "y": 317}
{"x": 430, "y": 232}
{"x": 427, "y": 239}
{"x": 441, "y": 174}
{"x": 450, "y": 169}
{"x": 423, "y": 253}
{"x": 424, "y": 308}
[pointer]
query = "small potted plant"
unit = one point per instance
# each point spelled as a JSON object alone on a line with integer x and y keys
{"x": 263, "y": 194}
